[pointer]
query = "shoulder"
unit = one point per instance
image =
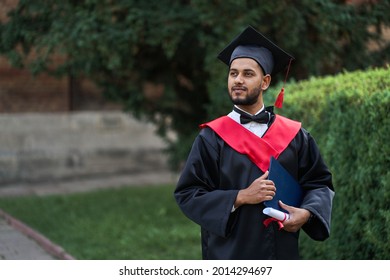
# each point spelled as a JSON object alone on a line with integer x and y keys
{"x": 284, "y": 121}
{"x": 304, "y": 141}
{"x": 302, "y": 136}
{"x": 210, "y": 129}
{"x": 223, "y": 122}
{"x": 207, "y": 133}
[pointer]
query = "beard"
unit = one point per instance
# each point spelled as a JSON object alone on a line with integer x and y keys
{"x": 250, "y": 99}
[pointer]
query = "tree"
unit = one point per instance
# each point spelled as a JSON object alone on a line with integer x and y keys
{"x": 158, "y": 57}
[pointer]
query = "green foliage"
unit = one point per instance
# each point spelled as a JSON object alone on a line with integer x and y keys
{"x": 158, "y": 57}
{"x": 348, "y": 116}
{"x": 122, "y": 224}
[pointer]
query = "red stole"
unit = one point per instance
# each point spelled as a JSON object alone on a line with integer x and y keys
{"x": 259, "y": 150}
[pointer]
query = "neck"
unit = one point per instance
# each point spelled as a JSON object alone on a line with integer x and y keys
{"x": 251, "y": 109}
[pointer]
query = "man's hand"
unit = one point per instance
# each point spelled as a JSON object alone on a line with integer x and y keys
{"x": 298, "y": 217}
{"x": 260, "y": 190}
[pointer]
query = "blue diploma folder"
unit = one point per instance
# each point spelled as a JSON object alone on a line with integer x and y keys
{"x": 287, "y": 188}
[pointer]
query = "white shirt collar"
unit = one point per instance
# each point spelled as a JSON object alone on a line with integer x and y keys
{"x": 261, "y": 109}
{"x": 254, "y": 127}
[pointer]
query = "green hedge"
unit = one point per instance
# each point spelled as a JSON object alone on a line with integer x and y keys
{"x": 348, "y": 115}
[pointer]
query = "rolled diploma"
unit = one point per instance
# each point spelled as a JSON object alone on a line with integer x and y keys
{"x": 279, "y": 215}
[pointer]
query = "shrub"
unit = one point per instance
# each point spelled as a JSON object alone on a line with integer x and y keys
{"x": 348, "y": 115}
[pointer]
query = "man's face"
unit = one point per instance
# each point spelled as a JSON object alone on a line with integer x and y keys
{"x": 245, "y": 81}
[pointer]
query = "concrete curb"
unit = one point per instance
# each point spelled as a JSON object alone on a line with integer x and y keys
{"x": 88, "y": 184}
{"x": 50, "y": 247}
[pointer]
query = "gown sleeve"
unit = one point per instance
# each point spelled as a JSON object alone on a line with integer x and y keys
{"x": 198, "y": 193}
{"x": 316, "y": 180}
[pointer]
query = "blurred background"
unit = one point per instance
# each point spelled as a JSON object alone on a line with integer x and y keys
{"x": 106, "y": 89}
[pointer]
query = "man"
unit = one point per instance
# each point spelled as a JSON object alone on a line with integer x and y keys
{"x": 224, "y": 183}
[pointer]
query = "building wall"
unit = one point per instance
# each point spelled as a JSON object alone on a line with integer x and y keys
{"x": 20, "y": 91}
{"x": 37, "y": 147}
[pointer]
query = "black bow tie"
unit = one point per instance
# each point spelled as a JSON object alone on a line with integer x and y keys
{"x": 262, "y": 117}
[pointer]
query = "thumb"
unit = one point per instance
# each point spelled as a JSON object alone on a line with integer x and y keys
{"x": 285, "y": 206}
{"x": 264, "y": 176}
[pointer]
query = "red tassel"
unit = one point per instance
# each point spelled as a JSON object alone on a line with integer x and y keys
{"x": 279, "y": 99}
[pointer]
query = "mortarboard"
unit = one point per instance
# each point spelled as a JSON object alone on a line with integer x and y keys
{"x": 252, "y": 44}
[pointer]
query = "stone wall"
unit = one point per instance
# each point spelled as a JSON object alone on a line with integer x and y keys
{"x": 36, "y": 147}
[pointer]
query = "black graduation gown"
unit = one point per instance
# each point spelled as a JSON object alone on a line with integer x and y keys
{"x": 211, "y": 179}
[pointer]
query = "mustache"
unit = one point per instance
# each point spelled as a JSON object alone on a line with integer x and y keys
{"x": 239, "y": 88}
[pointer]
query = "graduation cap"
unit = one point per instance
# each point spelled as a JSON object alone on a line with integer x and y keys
{"x": 252, "y": 44}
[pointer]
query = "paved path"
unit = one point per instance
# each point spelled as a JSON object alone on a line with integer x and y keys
{"x": 20, "y": 242}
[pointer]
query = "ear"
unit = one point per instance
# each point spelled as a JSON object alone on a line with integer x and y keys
{"x": 266, "y": 82}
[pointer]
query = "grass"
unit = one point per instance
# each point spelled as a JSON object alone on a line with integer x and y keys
{"x": 137, "y": 223}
